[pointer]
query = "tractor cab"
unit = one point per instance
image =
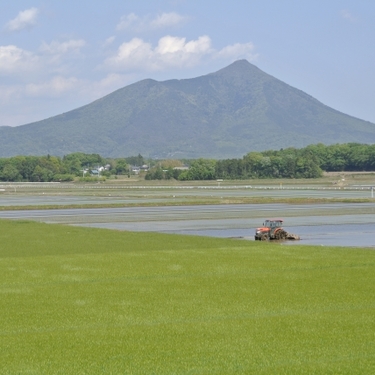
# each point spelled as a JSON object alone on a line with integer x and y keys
{"x": 271, "y": 229}
{"x": 275, "y": 223}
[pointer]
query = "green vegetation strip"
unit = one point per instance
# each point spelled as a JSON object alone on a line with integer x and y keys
{"x": 191, "y": 202}
{"x": 91, "y": 301}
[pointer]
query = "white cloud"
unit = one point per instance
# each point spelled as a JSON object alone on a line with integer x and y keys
{"x": 60, "y": 86}
{"x": 61, "y": 48}
{"x": 109, "y": 41}
{"x": 55, "y": 86}
{"x": 167, "y": 20}
{"x": 170, "y": 44}
{"x": 170, "y": 51}
{"x": 139, "y": 24}
{"x": 16, "y": 60}
{"x": 237, "y": 51}
{"x": 176, "y": 52}
{"x": 131, "y": 54}
{"x": 173, "y": 52}
{"x": 128, "y": 22}
{"x": 8, "y": 93}
{"x": 347, "y": 15}
{"x": 56, "y": 54}
{"x": 25, "y": 19}
{"x": 39, "y": 100}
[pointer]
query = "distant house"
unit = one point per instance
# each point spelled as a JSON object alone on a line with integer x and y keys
{"x": 97, "y": 171}
{"x": 135, "y": 170}
{"x": 144, "y": 167}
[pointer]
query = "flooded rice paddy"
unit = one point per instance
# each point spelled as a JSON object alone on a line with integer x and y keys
{"x": 326, "y": 224}
{"x": 330, "y": 224}
{"x": 325, "y": 231}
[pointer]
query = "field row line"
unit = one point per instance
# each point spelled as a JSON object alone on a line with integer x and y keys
{"x": 39, "y": 185}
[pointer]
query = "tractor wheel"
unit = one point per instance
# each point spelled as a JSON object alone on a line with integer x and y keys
{"x": 264, "y": 237}
{"x": 281, "y": 235}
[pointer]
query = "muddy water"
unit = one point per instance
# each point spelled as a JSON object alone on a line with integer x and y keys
{"x": 324, "y": 231}
{"x": 362, "y": 235}
{"x": 352, "y": 235}
{"x": 351, "y": 230}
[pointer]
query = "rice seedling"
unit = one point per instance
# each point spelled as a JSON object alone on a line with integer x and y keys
{"x": 91, "y": 301}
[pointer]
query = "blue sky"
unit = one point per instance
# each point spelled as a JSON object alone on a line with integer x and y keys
{"x": 56, "y": 55}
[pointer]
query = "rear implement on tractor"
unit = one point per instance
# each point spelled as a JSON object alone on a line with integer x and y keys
{"x": 272, "y": 230}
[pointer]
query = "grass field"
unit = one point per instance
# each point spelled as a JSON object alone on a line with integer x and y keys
{"x": 88, "y": 301}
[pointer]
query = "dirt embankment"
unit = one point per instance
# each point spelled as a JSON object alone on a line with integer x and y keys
{"x": 338, "y": 174}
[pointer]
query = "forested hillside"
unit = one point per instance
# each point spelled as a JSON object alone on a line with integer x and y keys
{"x": 220, "y": 115}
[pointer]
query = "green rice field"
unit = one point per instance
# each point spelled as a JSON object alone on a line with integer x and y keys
{"x": 90, "y": 301}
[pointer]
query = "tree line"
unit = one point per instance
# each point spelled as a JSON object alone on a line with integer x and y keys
{"x": 308, "y": 162}
{"x": 68, "y": 168}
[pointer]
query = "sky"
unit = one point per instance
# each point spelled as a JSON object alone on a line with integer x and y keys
{"x": 56, "y": 56}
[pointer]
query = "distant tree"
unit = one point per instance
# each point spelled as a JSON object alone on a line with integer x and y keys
{"x": 76, "y": 161}
{"x": 121, "y": 166}
{"x": 41, "y": 174}
{"x": 135, "y": 160}
{"x": 201, "y": 169}
{"x": 156, "y": 174}
{"x": 10, "y": 173}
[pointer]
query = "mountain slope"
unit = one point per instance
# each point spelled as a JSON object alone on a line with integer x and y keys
{"x": 220, "y": 115}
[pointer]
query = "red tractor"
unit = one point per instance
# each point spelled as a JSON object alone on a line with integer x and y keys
{"x": 271, "y": 230}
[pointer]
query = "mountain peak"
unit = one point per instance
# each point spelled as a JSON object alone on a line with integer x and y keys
{"x": 242, "y": 71}
{"x": 238, "y": 66}
{"x": 225, "y": 114}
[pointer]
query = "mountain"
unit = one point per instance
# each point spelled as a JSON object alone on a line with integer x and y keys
{"x": 224, "y": 114}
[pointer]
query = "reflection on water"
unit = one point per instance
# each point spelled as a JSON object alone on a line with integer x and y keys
{"x": 357, "y": 235}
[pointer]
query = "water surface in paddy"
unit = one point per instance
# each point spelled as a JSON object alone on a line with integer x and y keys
{"x": 357, "y": 235}
{"x": 344, "y": 230}
{"x": 328, "y": 224}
